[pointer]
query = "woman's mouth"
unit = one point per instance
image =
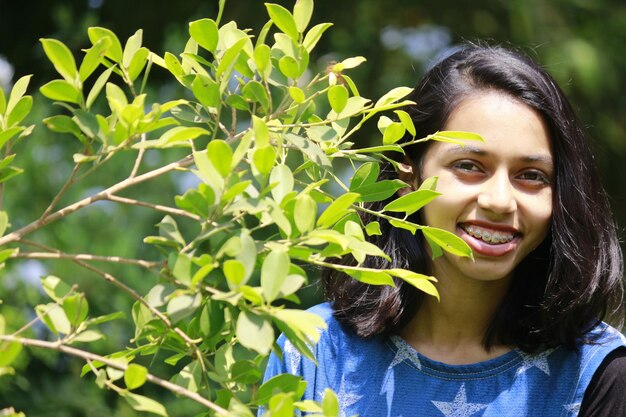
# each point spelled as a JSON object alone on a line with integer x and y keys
{"x": 487, "y": 235}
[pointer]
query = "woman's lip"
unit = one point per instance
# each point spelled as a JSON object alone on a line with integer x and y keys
{"x": 481, "y": 247}
{"x": 492, "y": 226}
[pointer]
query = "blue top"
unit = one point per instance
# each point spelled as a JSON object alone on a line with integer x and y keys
{"x": 387, "y": 377}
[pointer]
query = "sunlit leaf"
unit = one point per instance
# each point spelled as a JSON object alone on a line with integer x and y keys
{"x": 135, "y": 376}
{"x": 114, "y": 51}
{"x": 273, "y": 273}
{"x": 314, "y": 34}
{"x": 412, "y": 202}
{"x": 221, "y": 155}
{"x": 282, "y": 177}
{"x": 448, "y": 241}
{"x": 61, "y": 90}
{"x": 338, "y": 97}
{"x": 337, "y": 209}
{"x": 141, "y": 403}
{"x": 255, "y": 332}
{"x": 61, "y": 58}
{"x": 283, "y": 19}
{"x": 205, "y": 32}
{"x": 305, "y": 212}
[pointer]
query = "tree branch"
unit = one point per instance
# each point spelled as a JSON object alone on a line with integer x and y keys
{"x": 86, "y": 257}
{"x": 158, "y": 207}
{"x": 18, "y": 234}
{"x": 88, "y": 356}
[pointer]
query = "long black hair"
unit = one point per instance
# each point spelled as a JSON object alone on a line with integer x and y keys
{"x": 565, "y": 286}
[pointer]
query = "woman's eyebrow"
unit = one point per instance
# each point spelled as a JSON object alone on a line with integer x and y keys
{"x": 473, "y": 150}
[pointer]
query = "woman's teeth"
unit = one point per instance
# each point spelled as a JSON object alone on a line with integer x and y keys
{"x": 488, "y": 236}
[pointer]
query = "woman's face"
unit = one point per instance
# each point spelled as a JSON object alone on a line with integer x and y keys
{"x": 496, "y": 195}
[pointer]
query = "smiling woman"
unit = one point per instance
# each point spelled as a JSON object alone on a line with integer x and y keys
{"x": 518, "y": 329}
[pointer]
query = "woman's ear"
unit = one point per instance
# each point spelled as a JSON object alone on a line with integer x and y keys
{"x": 406, "y": 173}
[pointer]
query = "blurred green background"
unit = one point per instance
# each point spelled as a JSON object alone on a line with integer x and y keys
{"x": 580, "y": 42}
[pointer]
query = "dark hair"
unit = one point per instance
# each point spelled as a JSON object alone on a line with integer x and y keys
{"x": 565, "y": 286}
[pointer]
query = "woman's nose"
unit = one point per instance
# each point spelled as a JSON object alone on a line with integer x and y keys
{"x": 498, "y": 194}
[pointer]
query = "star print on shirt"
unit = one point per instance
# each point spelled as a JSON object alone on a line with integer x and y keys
{"x": 293, "y": 356}
{"x": 539, "y": 361}
{"x": 404, "y": 351}
{"x": 345, "y": 397}
{"x": 573, "y": 408}
{"x": 459, "y": 407}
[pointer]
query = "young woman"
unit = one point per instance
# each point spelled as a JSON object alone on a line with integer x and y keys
{"x": 518, "y": 330}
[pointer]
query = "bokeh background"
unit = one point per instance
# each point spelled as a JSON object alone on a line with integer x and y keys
{"x": 582, "y": 43}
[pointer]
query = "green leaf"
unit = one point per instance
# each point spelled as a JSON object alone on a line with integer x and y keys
{"x": 93, "y": 57}
{"x": 76, "y": 308}
{"x": 282, "y": 177}
{"x": 9, "y": 351}
{"x": 393, "y": 96}
{"x": 373, "y": 229}
{"x": 393, "y": 133}
{"x": 137, "y": 63}
{"x": 262, "y": 60}
{"x": 234, "y": 271}
{"x": 296, "y": 94}
{"x": 305, "y": 212}
{"x": 61, "y": 90}
{"x": 114, "y": 50}
{"x": 306, "y": 323}
{"x": 5, "y": 162}
{"x": 206, "y": 91}
{"x": 455, "y": 137}
{"x": 412, "y": 202}
{"x": 135, "y": 376}
{"x": 169, "y": 230}
{"x": 97, "y": 87}
{"x": 338, "y": 97}
{"x": 302, "y": 12}
{"x": 18, "y": 91}
{"x": 183, "y": 306}
{"x": 133, "y": 44}
{"x": 310, "y": 149}
{"x": 261, "y": 132}
{"x": 337, "y": 209}
{"x": 63, "y": 124}
{"x": 366, "y": 174}
{"x": 379, "y": 191}
{"x": 255, "y": 92}
{"x": 353, "y": 106}
{"x": 255, "y": 332}
{"x": 263, "y": 159}
{"x": 273, "y": 273}
{"x": 321, "y": 133}
{"x": 205, "y": 32}
{"x": 330, "y": 403}
{"x": 375, "y": 149}
{"x": 277, "y": 384}
{"x": 348, "y": 63}
{"x": 406, "y": 121}
{"x": 419, "y": 281}
{"x": 429, "y": 184}
{"x": 9, "y": 173}
{"x": 55, "y": 288}
{"x": 221, "y": 156}
{"x": 182, "y": 133}
{"x": 314, "y": 34}
{"x": 141, "y": 403}
{"x": 230, "y": 57}
{"x": 247, "y": 255}
{"x": 4, "y": 222}
{"x": 372, "y": 277}
{"x": 283, "y": 19}
{"x": 3, "y": 102}
{"x": 289, "y": 67}
{"x": 448, "y": 241}
{"x": 61, "y": 58}
{"x": 20, "y": 111}
{"x": 7, "y": 253}
{"x": 54, "y": 317}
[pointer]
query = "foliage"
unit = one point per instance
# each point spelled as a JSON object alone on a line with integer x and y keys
{"x": 264, "y": 139}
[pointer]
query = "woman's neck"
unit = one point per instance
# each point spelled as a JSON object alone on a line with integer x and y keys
{"x": 452, "y": 330}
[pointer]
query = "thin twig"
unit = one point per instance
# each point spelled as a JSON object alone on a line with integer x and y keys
{"x": 87, "y": 257}
{"x": 88, "y": 356}
{"x": 142, "y": 150}
{"x": 18, "y": 234}
{"x": 158, "y": 207}
{"x": 67, "y": 185}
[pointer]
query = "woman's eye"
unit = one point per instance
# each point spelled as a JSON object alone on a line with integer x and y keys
{"x": 466, "y": 166}
{"x": 535, "y": 177}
